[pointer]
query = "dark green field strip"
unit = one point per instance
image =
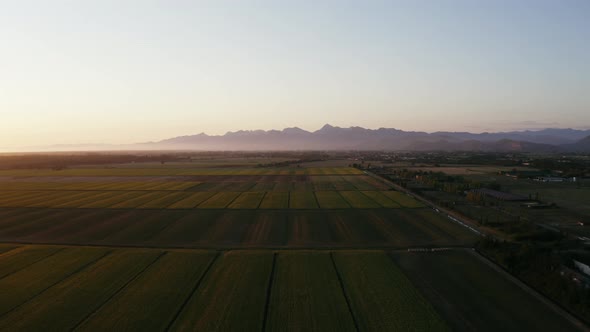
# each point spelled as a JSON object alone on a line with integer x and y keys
{"x": 302, "y": 200}
{"x": 220, "y": 200}
{"x": 264, "y": 186}
{"x": 17, "y": 216}
{"x": 275, "y": 200}
{"x": 152, "y": 300}
{"x": 417, "y": 227}
{"x": 306, "y": 295}
{"x": 194, "y": 199}
{"x": 23, "y": 285}
{"x": 381, "y": 296}
{"x": 230, "y": 228}
{"x": 247, "y": 200}
{"x": 66, "y": 304}
{"x": 381, "y": 199}
{"x": 308, "y": 230}
{"x": 140, "y": 227}
{"x": 352, "y": 228}
{"x": 187, "y": 230}
{"x": 268, "y": 228}
{"x": 472, "y": 296}
{"x": 54, "y": 225}
{"x": 437, "y": 225}
{"x": 331, "y": 200}
{"x": 403, "y": 199}
{"x": 358, "y": 200}
{"x": 28, "y": 226}
{"x": 165, "y": 200}
{"x": 66, "y": 230}
{"x": 232, "y": 297}
{"x": 95, "y": 232}
{"x": 18, "y": 259}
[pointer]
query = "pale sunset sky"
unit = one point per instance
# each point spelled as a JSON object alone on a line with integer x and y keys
{"x": 76, "y": 72}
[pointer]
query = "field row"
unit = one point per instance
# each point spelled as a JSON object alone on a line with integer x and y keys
{"x": 106, "y": 289}
{"x": 172, "y": 171}
{"x": 233, "y": 228}
{"x": 203, "y": 183}
{"x": 134, "y": 289}
{"x": 157, "y": 199}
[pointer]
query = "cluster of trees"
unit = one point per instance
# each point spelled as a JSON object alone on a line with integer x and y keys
{"x": 61, "y": 161}
{"x": 454, "y": 184}
{"x": 539, "y": 266}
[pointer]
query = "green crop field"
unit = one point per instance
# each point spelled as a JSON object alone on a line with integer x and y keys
{"x": 302, "y": 200}
{"x": 191, "y": 200}
{"x": 331, "y": 200}
{"x": 275, "y": 200}
{"x": 22, "y": 285}
{"x": 232, "y": 296}
{"x": 471, "y": 295}
{"x": 214, "y": 245}
{"x": 247, "y": 200}
{"x": 403, "y": 199}
{"x": 151, "y": 301}
{"x": 306, "y": 295}
{"x": 219, "y": 200}
{"x": 358, "y": 200}
{"x": 99, "y": 283}
{"x": 368, "y": 278}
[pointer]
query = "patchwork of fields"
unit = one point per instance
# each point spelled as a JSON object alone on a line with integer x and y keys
{"x": 254, "y": 290}
{"x": 253, "y": 249}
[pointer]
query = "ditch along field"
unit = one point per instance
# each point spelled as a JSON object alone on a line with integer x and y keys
{"x": 252, "y": 249}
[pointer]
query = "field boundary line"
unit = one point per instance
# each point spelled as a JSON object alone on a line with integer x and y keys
{"x": 193, "y": 291}
{"x": 261, "y": 199}
{"x": 229, "y": 248}
{"x": 67, "y": 276}
{"x": 427, "y": 287}
{"x": 554, "y": 306}
{"x": 317, "y": 201}
{"x": 344, "y": 199}
{"x": 26, "y": 266}
{"x": 346, "y": 297}
{"x": 288, "y": 199}
{"x": 233, "y": 200}
{"x": 168, "y": 225}
{"x": 269, "y": 291}
{"x": 93, "y": 312}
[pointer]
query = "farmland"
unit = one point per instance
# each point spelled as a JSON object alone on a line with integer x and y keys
{"x": 207, "y": 248}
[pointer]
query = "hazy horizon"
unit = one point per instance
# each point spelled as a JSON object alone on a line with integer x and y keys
{"x": 120, "y": 73}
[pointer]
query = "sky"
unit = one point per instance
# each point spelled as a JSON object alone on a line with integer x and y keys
{"x": 78, "y": 72}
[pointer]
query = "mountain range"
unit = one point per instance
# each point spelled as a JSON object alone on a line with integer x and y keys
{"x": 358, "y": 138}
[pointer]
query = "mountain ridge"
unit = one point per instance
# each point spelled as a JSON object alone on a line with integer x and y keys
{"x": 330, "y": 137}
